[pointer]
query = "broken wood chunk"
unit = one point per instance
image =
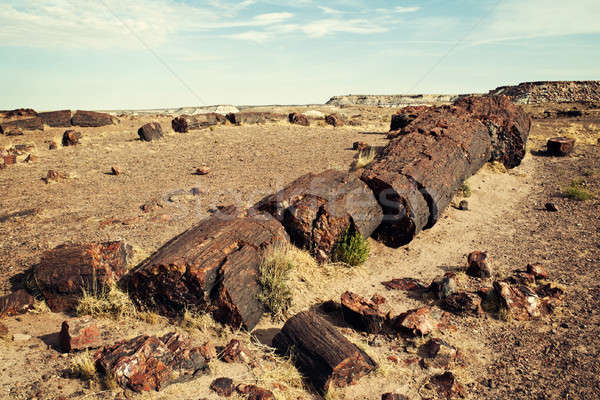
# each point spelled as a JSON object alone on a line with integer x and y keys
{"x": 78, "y": 334}
{"x": 362, "y": 313}
{"x": 15, "y": 303}
{"x": 477, "y": 265}
{"x": 560, "y": 146}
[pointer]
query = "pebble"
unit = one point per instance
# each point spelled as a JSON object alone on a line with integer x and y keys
{"x": 21, "y": 337}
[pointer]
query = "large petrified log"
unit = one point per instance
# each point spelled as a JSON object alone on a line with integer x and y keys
{"x": 185, "y": 123}
{"x": 254, "y": 117}
{"x": 317, "y": 209}
{"x": 508, "y": 125}
{"x": 149, "y": 363}
{"x": 56, "y": 118}
{"x": 212, "y": 266}
{"x": 28, "y": 124}
{"x": 91, "y": 119}
{"x": 150, "y": 131}
{"x": 67, "y": 271}
{"x": 321, "y": 353}
{"x": 416, "y": 175}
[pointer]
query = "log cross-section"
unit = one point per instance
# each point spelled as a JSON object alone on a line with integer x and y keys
{"x": 321, "y": 353}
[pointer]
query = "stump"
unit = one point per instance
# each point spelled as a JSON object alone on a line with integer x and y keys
{"x": 91, "y": 119}
{"x": 362, "y": 313}
{"x": 560, "y": 146}
{"x": 212, "y": 266}
{"x": 150, "y": 131}
{"x": 185, "y": 123}
{"x": 317, "y": 209}
{"x": 321, "y": 353}
{"x": 56, "y": 118}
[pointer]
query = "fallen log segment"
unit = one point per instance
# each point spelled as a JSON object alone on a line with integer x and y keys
{"x": 67, "y": 271}
{"x": 91, "y": 119}
{"x": 56, "y": 118}
{"x": 212, "y": 266}
{"x": 317, "y": 209}
{"x": 321, "y": 353}
{"x": 185, "y": 123}
{"x": 254, "y": 117}
{"x": 362, "y": 313}
{"x": 27, "y": 124}
{"x": 560, "y": 146}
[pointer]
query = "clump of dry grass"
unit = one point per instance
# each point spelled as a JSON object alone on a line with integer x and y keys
{"x": 497, "y": 166}
{"x": 577, "y": 190}
{"x": 193, "y": 322}
{"x": 83, "y": 367}
{"x": 111, "y": 302}
{"x": 40, "y": 307}
{"x": 364, "y": 158}
{"x": 465, "y": 190}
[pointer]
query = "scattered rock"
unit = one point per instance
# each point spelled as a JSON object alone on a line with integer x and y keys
{"x": 537, "y": 270}
{"x": 208, "y": 351}
{"x": 463, "y": 303}
{"x": 393, "y": 396}
{"x": 463, "y": 205}
{"x": 71, "y": 138}
{"x": 560, "y": 146}
{"x": 150, "y": 363}
{"x": 14, "y": 132}
{"x": 203, "y": 170}
{"x": 78, "y": 334}
{"x": 115, "y": 170}
{"x": 551, "y": 207}
{"x": 255, "y": 393}
{"x": 298, "y": 119}
{"x": 444, "y": 286}
{"x": 151, "y": 131}
{"x": 222, "y": 386}
{"x": 438, "y": 353}
{"x": 21, "y": 337}
{"x": 447, "y": 385}
{"x": 152, "y": 205}
{"x": 18, "y": 302}
{"x": 360, "y": 146}
{"x": 362, "y": 313}
{"x": 518, "y": 301}
{"x": 52, "y": 146}
{"x": 91, "y": 119}
{"x": 477, "y": 266}
{"x": 334, "y": 120}
{"x": 54, "y": 176}
{"x": 236, "y": 352}
{"x": 408, "y": 284}
{"x": 419, "y": 322}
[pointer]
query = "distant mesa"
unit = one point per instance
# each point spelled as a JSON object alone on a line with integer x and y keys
{"x": 551, "y": 92}
{"x": 393, "y": 100}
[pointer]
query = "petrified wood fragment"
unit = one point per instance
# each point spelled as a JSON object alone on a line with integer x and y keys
{"x": 27, "y": 124}
{"x": 150, "y": 131}
{"x": 18, "y": 302}
{"x": 185, "y": 123}
{"x": 362, "y": 313}
{"x": 91, "y": 119}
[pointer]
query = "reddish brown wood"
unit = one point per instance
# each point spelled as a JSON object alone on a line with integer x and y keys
{"x": 71, "y": 138}
{"x": 477, "y": 265}
{"x": 18, "y": 302}
{"x": 317, "y": 209}
{"x": 252, "y": 117}
{"x": 91, "y": 119}
{"x": 362, "y": 313}
{"x": 321, "y": 353}
{"x": 298, "y": 119}
{"x": 560, "y": 146}
{"x": 56, "y": 118}
{"x": 78, "y": 334}
{"x": 185, "y": 123}
{"x": 27, "y": 124}
{"x": 334, "y": 120}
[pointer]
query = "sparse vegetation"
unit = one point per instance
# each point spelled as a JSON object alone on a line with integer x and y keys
{"x": 497, "y": 166}
{"x": 577, "y": 190}
{"x": 353, "y": 249}
{"x": 83, "y": 367}
{"x": 111, "y": 302}
{"x": 275, "y": 270}
{"x": 364, "y": 158}
{"x": 465, "y": 190}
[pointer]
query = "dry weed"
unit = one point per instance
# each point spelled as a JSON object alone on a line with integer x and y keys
{"x": 112, "y": 303}
{"x": 364, "y": 158}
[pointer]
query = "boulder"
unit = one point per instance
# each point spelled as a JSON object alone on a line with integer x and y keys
{"x": 71, "y": 138}
{"x": 78, "y": 334}
{"x": 298, "y": 119}
{"x": 91, "y": 119}
{"x": 18, "y": 302}
{"x": 150, "y": 131}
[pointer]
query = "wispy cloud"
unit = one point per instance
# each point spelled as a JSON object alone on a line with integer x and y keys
{"x": 328, "y": 10}
{"x": 252, "y": 36}
{"x": 330, "y": 26}
{"x": 401, "y": 9}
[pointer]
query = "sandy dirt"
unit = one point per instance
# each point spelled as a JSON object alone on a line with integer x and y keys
{"x": 552, "y": 358}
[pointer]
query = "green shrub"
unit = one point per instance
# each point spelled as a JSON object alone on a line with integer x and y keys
{"x": 577, "y": 190}
{"x": 352, "y": 249}
{"x": 465, "y": 190}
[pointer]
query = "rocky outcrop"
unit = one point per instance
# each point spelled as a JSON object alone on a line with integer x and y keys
{"x": 551, "y": 92}
{"x": 392, "y": 100}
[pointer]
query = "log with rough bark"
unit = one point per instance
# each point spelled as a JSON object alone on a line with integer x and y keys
{"x": 91, "y": 119}
{"x": 27, "y": 124}
{"x": 150, "y": 131}
{"x": 67, "y": 271}
{"x": 321, "y": 353}
{"x": 56, "y": 118}
{"x": 212, "y": 266}
{"x": 560, "y": 146}
{"x": 253, "y": 117}
{"x": 317, "y": 209}
{"x": 362, "y": 313}
{"x": 185, "y": 123}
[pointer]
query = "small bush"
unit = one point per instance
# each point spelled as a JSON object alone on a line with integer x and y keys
{"x": 352, "y": 249}
{"x": 275, "y": 272}
{"x": 83, "y": 367}
{"x": 465, "y": 190}
{"x": 577, "y": 190}
{"x": 111, "y": 302}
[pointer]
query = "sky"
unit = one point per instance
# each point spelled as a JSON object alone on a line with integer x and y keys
{"x": 126, "y": 54}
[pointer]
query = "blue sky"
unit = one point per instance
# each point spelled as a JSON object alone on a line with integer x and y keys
{"x": 109, "y": 54}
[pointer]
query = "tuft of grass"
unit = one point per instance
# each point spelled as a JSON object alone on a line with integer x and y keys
{"x": 111, "y": 302}
{"x": 40, "y": 307}
{"x": 364, "y": 158}
{"x": 83, "y": 367}
{"x": 353, "y": 249}
{"x": 465, "y": 190}
{"x": 193, "y": 322}
{"x": 497, "y": 166}
{"x": 577, "y": 190}
{"x": 275, "y": 274}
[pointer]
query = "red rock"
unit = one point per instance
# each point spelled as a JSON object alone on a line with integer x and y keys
{"x": 393, "y": 396}
{"x": 151, "y": 131}
{"x": 477, "y": 266}
{"x": 91, "y": 119}
{"x": 447, "y": 385}
{"x": 419, "y": 322}
{"x": 115, "y": 170}
{"x": 519, "y": 301}
{"x": 438, "y": 353}
{"x": 378, "y": 299}
{"x": 68, "y": 270}
{"x": 71, "y": 138}
{"x": 52, "y": 146}
{"x": 19, "y": 112}
{"x": 18, "y": 302}
{"x": 537, "y": 270}
{"x": 203, "y": 171}
{"x": 463, "y": 302}
{"x": 409, "y": 284}
{"x": 222, "y": 386}
{"x": 334, "y": 120}
{"x": 209, "y": 351}
{"x": 251, "y": 117}
{"x": 256, "y": 393}
{"x": 9, "y": 159}
{"x": 298, "y": 119}
{"x": 79, "y": 334}
{"x": 150, "y": 363}
{"x": 236, "y": 352}
{"x": 362, "y": 313}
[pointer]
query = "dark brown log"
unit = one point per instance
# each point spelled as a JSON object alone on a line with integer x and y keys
{"x": 66, "y": 271}
{"x": 91, "y": 119}
{"x": 78, "y": 334}
{"x": 321, "y": 353}
{"x": 27, "y": 124}
{"x": 18, "y": 113}
{"x": 507, "y": 123}
{"x": 56, "y": 118}
{"x": 362, "y": 313}
{"x": 560, "y": 146}
{"x": 393, "y": 396}
{"x": 185, "y": 123}
{"x": 317, "y": 209}
{"x": 334, "y": 120}
{"x": 18, "y": 302}
{"x": 252, "y": 117}
{"x": 183, "y": 273}
{"x": 298, "y": 119}
{"x": 150, "y": 131}
{"x": 150, "y": 363}
{"x": 71, "y": 138}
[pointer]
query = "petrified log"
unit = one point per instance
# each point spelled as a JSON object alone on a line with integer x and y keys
{"x": 477, "y": 265}
{"x": 185, "y": 123}
{"x": 253, "y": 117}
{"x": 66, "y": 271}
{"x": 417, "y": 174}
{"x": 362, "y": 313}
{"x": 298, "y": 119}
{"x": 560, "y": 146}
{"x": 28, "y": 124}
{"x": 317, "y": 209}
{"x": 14, "y": 132}
{"x": 78, "y": 334}
{"x": 91, "y": 119}
{"x": 222, "y": 387}
{"x": 149, "y": 363}
{"x": 507, "y": 123}
{"x": 18, "y": 302}
{"x": 71, "y": 138}
{"x": 19, "y": 112}
{"x": 321, "y": 353}
{"x": 56, "y": 118}
{"x": 334, "y": 120}
{"x": 150, "y": 131}
{"x": 463, "y": 303}
{"x": 215, "y": 261}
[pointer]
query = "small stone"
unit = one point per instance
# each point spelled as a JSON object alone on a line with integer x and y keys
{"x": 477, "y": 265}
{"x": 71, "y": 138}
{"x": 3, "y": 331}
{"x": 463, "y": 205}
{"x": 30, "y": 158}
{"x": 334, "y": 120}
{"x": 202, "y": 171}
{"x": 21, "y": 337}
{"x": 222, "y": 386}
{"x": 255, "y": 393}
{"x": 115, "y": 170}
{"x": 537, "y": 270}
{"x": 360, "y": 146}
{"x": 52, "y": 146}
{"x": 551, "y": 207}
{"x": 447, "y": 385}
{"x": 419, "y": 322}
{"x": 393, "y": 396}
{"x": 197, "y": 191}
{"x": 53, "y": 176}
{"x": 444, "y": 286}
{"x": 235, "y": 351}
{"x": 208, "y": 351}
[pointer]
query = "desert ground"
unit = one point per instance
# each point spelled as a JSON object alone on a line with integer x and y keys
{"x": 554, "y": 357}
